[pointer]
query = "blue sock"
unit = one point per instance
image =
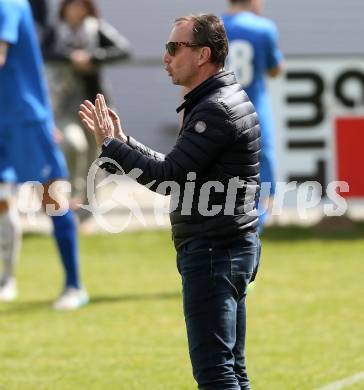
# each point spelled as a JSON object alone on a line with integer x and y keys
{"x": 65, "y": 233}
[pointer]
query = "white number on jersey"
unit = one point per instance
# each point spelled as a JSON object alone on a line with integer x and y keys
{"x": 240, "y": 61}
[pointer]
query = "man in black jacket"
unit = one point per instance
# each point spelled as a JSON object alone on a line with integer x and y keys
{"x": 213, "y": 174}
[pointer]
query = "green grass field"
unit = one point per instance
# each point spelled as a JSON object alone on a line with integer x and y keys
{"x": 305, "y": 328}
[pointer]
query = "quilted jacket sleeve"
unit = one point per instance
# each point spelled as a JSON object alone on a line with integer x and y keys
{"x": 202, "y": 140}
{"x": 145, "y": 150}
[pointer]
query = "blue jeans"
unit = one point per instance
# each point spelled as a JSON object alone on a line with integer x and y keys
{"x": 215, "y": 281}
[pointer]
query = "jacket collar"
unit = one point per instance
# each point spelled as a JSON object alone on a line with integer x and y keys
{"x": 215, "y": 81}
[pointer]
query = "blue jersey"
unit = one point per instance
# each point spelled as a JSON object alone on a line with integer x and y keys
{"x": 253, "y": 51}
{"x": 23, "y": 93}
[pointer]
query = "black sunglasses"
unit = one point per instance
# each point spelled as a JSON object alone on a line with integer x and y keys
{"x": 172, "y": 47}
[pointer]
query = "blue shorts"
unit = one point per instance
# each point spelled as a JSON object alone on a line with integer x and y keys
{"x": 28, "y": 153}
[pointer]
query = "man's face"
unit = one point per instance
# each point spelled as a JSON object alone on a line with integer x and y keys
{"x": 183, "y": 65}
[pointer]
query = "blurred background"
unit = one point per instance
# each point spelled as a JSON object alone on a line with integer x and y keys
{"x": 317, "y": 102}
{"x": 305, "y": 313}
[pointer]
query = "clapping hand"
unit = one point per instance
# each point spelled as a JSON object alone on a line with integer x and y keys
{"x": 101, "y": 120}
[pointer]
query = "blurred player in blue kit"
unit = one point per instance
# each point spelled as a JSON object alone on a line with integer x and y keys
{"x": 253, "y": 54}
{"x": 28, "y": 151}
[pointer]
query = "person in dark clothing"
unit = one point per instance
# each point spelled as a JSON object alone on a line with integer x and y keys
{"x": 80, "y": 44}
{"x": 215, "y": 164}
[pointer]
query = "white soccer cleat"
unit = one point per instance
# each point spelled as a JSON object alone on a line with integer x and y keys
{"x": 8, "y": 290}
{"x": 71, "y": 299}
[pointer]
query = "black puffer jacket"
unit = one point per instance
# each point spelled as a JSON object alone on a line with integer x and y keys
{"x": 219, "y": 143}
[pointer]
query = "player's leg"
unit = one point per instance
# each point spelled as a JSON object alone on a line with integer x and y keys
{"x": 48, "y": 164}
{"x": 10, "y": 240}
{"x": 65, "y": 234}
{"x": 10, "y": 231}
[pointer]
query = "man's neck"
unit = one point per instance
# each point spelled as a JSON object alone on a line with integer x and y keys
{"x": 237, "y": 8}
{"x": 202, "y": 76}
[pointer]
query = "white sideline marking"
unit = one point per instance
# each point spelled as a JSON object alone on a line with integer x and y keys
{"x": 344, "y": 382}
